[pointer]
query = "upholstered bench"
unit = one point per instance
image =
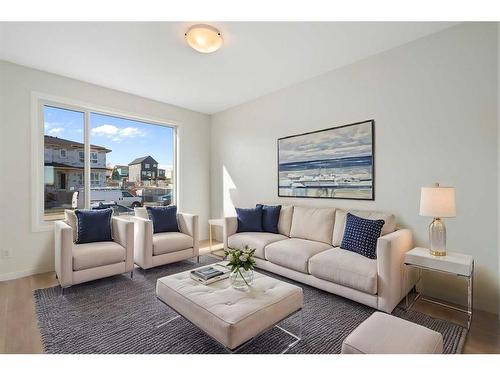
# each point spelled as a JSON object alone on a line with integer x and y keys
{"x": 230, "y": 316}
{"x": 386, "y": 334}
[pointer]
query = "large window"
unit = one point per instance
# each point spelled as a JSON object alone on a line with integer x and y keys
{"x": 137, "y": 145}
{"x": 63, "y": 171}
{"x": 104, "y": 157}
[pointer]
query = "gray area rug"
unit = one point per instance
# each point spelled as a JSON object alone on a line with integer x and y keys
{"x": 123, "y": 315}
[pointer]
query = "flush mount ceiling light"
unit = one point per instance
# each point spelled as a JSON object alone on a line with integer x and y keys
{"x": 204, "y": 38}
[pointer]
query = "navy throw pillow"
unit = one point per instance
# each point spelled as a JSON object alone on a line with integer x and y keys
{"x": 249, "y": 219}
{"x": 93, "y": 225}
{"x": 164, "y": 219}
{"x": 270, "y": 217}
{"x": 361, "y": 235}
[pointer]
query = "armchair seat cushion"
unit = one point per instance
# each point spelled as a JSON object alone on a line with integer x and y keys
{"x": 346, "y": 268}
{"x": 169, "y": 242}
{"x": 96, "y": 254}
{"x": 255, "y": 240}
{"x": 294, "y": 253}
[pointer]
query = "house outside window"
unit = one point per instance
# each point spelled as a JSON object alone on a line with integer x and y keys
{"x": 65, "y": 161}
{"x": 146, "y": 166}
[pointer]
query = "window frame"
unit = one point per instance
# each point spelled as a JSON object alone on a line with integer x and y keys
{"x": 61, "y": 153}
{"x": 92, "y": 159}
{"x": 92, "y": 180}
{"x": 38, "y": 101}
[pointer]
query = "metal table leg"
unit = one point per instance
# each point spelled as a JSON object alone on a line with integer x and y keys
{"x": 297, "y": 337}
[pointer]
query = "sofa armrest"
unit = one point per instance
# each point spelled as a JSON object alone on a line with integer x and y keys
{"x": 230, "y": 228}
{"x": 391, "y": 250}
{"x": 143, "y": 242}
{"x": 189, "y": 224}
{"x": 123, "y": 234}
{"x": 63, "y": 241}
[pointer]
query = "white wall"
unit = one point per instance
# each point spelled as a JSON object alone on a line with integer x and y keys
{"x": 434, "y": 103}
{"x": 33, "y": 252}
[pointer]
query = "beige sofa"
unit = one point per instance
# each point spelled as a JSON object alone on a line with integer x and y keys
{"x": 155, "y": 249}
{"x": 79, "y": 263}
{"x": 307, "y": 249}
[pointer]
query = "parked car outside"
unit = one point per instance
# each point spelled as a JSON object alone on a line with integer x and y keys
{"x": 118, "y": 209}
{"x": 107, "y": 195}
{"x": 166, "y": 199}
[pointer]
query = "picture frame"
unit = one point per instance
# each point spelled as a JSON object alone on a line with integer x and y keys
{"x": 332, "y": 163}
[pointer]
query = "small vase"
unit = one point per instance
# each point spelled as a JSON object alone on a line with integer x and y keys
{"x": 241, "y": 279}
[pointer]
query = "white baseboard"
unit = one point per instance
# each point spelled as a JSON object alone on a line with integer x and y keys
{"x": 24, "y": 273}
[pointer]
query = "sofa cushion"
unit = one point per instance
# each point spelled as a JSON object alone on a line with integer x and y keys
{"x": 285, "y": 221}
{"x": 294, "y": 253}
{"x": 314, "y": 224}
{"x": 164, "y": 219}
{"x": 270, "y": 217}
{"x": 249, "y": 219}
{"x": 345, "y": 268}
{"x": 255, "y": 240}
{"x": 169, "y": 242}
{"x": 96, "y": 254}
{"x": 93, "y": 225}
{"x": 340, "y": 218}
{"x": 361, "y": 235}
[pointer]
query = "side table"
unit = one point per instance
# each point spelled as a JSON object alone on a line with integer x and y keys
{"x": 456, "y": 264}
{"x": 212, "y": 223}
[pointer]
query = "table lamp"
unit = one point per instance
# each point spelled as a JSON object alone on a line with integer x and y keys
{"x": 437, "y": 202}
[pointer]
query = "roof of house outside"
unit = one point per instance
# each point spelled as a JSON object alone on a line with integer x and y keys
{"x": 61, "y": 142}
{"x": 140, "y": 160}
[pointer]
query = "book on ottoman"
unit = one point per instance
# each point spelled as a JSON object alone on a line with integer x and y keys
{"x": 210, "y": 274}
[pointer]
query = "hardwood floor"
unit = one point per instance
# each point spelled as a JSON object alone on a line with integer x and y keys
{"x": 19, "y": 332}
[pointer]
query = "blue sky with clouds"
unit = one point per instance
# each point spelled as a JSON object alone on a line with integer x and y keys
{"x": 128, "y": 139}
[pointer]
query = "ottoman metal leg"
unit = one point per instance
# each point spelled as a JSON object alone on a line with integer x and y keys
{"x": 297, "y": 337}
{"x": 168, "y": 321}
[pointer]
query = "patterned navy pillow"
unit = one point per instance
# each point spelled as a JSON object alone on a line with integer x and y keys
{"x": 93, "y": 225}
{"x": 164, "y": 219}
{"x": 249, "y": 219}
{"x": 270, "y": 217}
{"x": 360, "y": 235}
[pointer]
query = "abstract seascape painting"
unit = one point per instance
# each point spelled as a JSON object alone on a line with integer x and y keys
{"x": 331, "y": 163}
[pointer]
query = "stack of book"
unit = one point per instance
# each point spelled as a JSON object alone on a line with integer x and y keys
{"x": 210, "y": 274}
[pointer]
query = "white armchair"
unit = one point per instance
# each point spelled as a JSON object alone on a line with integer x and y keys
{"x": 155, "y": 249}
{"x": 79, "y": 263}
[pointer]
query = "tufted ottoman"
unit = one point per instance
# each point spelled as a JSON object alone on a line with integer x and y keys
{"x": 230, "y": 316}
{"x": 386, "y": 334}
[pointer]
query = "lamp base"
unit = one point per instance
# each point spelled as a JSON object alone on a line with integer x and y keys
{"x": 437, "y": 237}
{"x": 438, "y": 253}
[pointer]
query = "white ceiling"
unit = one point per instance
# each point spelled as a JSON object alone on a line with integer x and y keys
{"x": 152, "y": 60}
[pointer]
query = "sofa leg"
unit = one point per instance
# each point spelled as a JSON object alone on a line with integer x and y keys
{"x": 62, "y": 291}
{"x": 131, "y": 274}
{"x": 198, "y": 259}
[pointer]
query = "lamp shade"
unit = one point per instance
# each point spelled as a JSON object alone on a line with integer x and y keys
{"x": 437, "y": 201}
